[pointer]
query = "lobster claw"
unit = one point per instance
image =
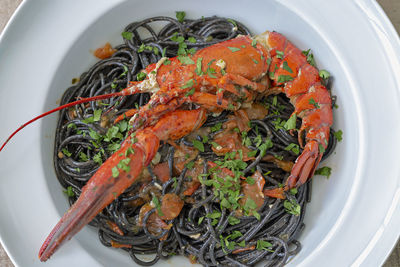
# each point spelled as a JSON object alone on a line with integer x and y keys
{"x": 100, "y": 190}
{"x": 118, "y": 173}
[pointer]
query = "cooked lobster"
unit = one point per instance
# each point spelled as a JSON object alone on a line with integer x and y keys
{"x": 223, "y": 76}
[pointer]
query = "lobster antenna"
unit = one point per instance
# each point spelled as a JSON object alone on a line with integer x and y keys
{"x": 80, "y": 101}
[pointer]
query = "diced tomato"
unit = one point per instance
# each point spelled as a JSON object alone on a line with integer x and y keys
{"x": 255, "y": 190}
{"x": 171, "y": 206}
{"x": 104, "y": 52}
{"x": 161, "y": 170}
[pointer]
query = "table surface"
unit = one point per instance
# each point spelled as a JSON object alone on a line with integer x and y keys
{"x": 392, "y": 9}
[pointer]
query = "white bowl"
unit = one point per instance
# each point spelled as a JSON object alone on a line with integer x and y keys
{"x": 353, "y": 216}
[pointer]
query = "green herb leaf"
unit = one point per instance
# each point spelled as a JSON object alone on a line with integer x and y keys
{"x": 191, "y": 92}
{"x": 83, "y": 157}
{"x": 292, "y": 207}
{"x": 98, "y": 159}
{"x": 115, "y": 172}
{"x": 284, "y": 78}
{"x": 279, "y": 54}
{"x": 141, "y": 76}
{"x": 232, "y": 21}
{"x": 234, "y": 49}
{"x": 198, "y": 66}
{"x": 185, "y": 60}
{"x": 325, "y": 171}
{"x": 291, "y": 122}
{"x": 321, "y": 149}
{"x": 199, "y": 145}
{"x": 66, "y": 152}
{"x": 97, "y": 115}
{"x": 127, "y": 35}
{"x": 254, "y": 43}
{"x": 286, "y": 67}
{"x": 180, "y": 15}
{"x": 200, "y": 220}
{"x": 263, "y": 245}
{"x": 310, "y": 59}
{"x": 338, "y": 135}
{"x": 69, "y": 191}
{"x": 293, "y": 191}
{"x": 324, "y": 74}
{"x": 294, "y": 148}
{"x": 189, "y": 165}
{"x": 158, "y": 205}
{"x": 312, "y": 102}
{"x": 188, "y": 84}
{"x": 216, "y": 127}
{"x": 192, "y": 40}
{"x": 233, "y": 220}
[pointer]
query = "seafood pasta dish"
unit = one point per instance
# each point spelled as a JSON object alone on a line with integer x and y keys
{"x": 195, "y": 138}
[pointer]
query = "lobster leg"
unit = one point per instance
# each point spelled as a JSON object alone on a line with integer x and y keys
{"x": 118, "y": 173}
{"x": 228, "y": 82}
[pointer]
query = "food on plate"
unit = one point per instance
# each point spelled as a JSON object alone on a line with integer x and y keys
{"x": 196, "y": 140}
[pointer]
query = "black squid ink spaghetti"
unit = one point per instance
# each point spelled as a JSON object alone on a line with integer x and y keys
{"x": 222, "y": 221}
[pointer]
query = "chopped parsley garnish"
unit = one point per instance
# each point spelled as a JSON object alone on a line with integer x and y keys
{"x": 312, "y": 102}
{"x": 325, "y": 171}
{"x": 291, "y": 122}
{"x": 284, "y": 78}
{"x": 97, "y": 115}
{"x": 253, "y": 43}
{"x": 321, "y": 149}
{"x": 127, "y": 35}
{"x": 83, "y": 157}
{"x": 191, "y": 92}
{"x": 69, "y": 192}
{"x": 189, "y": 165}
{"x": 263, "y": 245}
{"x": 216, "y": 127}
{"x": 115, "y": 172}
{"x": 192, "y": 40}
{"x": 292, "y": 207}
{"x": 310, "y": 57}
{"x": 66, "y": 152}
{"x": 188, "y": 84}
{"x": 233, "y": 220}
{"x": 141, "y": 76}
{"x": 199, "y": 145}
{"x": 279, "y": 54}
{"x": 324, "y": 74}
{"x": 98, "y": 159}
{"x": 233, "y": 49}
{"x": 232, "y": 21}
{"x": 293, "y": 191}
{"x": 158, "y": 205}
{"x": 185, "y": 60}
{"x": 286, "y": 67}
{"x": 198, "y": 66}
{"x": 180, "y": 15}
{"x": 294, "y": 148}
{"x": 338, "y": 135}
{"x": 164, "y": 52}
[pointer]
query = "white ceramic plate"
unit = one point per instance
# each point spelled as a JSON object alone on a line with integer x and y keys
{"x": 353, "y": 216}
